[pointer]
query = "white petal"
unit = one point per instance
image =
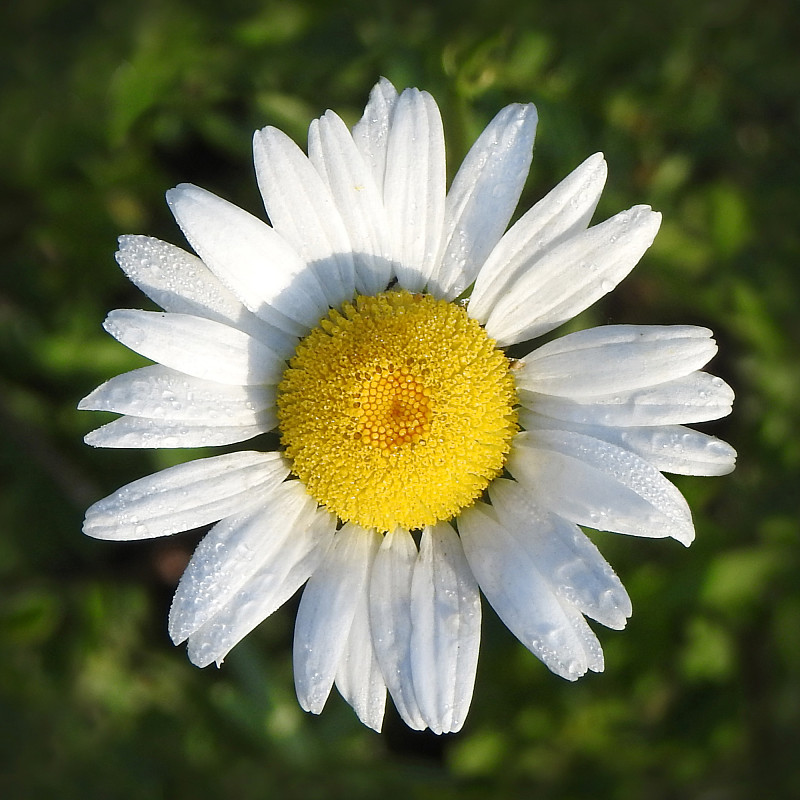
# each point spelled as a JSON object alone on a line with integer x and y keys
{"x": 390, "y": 616}
{"x": 141, "y": 432}
{"x": 697, "y": 397}
{"x": 249, "y": 257}
{"x": 358, "y": 676}
{"x": 303, "y": 212}
{"x": 563, "y": 212}
{"x": 596, "y": 484}
{"x": 414, "y": 188}
{"x": 446, "y": 629}
{"x": 358, "y": 198}
{"x": 563, "y": 554}
{"x": 615, "y": 358}
{"x": 185, "y": 496}
{"x": 483, "y": 196}
{"x": 161, "y": 393}
{"x": 669, "y": 448}
{"x": 235, "y": 550}
{"x": 570, "y": 277}
{"x": 550, "y": 628}
{"x": 180, "y": 282}
{"x": 371, "y": 132}
{"x": 196, "y": 346}
{"x": 281, "y": 576}
{"x": 326, "y": 613}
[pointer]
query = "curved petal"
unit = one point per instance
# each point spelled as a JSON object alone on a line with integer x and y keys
{"x": 563, "y": 554}
{"x": 559, "y": 215}
{"x": 235, "y": 550}
{"x": 371, "y": 132}
{"x": 181, "y": 283}
{"x": 414, "y": 187}
{"x": 280, "y": 577}
{"x": 445, "y": 629}
{"x": 302, "y": 211}
{"x": 358, "y": 676}
{"x": 390, "y": 616}
{"x": 158, "y": 392}
{"x": 196, "y": 346}
{"x": 570, "y": 277}
{"x": 249, "y": 257}
{"x": 142, "y": 432}
{"x": 669, "y": 448}
{"x": 596, "y": 484}
{"x": 185, "y": 496}
{"x": 550, "y": 628}
{"x": 326, "y": 613}
{"x": 615, "y": 358}
{"x": 697, "y": 397}
{"x": 360, "y": 202}
{"x": 483, "y": 196}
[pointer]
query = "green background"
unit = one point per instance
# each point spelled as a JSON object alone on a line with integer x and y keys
{"x": 105, "y": 105}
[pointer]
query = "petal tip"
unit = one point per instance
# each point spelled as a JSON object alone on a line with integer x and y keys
{"x": 178, "y": 194}
{"x": 93, "y": 440}
{"x": 685, "y": 535}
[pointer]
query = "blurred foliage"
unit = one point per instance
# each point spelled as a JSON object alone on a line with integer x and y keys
{"x": 107, "y": 104}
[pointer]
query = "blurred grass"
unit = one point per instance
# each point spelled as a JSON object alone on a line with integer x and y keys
{"x": 106, "y": 105}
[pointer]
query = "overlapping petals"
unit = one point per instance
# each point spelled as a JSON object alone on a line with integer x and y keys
{"x": 293, "y": 559}
{"x": 186, "y": 496}
{"x": 602, "y": 411}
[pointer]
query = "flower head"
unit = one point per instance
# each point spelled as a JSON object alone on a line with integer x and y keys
{"x": 417, "y": 463}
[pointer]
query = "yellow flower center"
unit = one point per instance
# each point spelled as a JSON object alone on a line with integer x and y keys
{"x": 398, "y": 411}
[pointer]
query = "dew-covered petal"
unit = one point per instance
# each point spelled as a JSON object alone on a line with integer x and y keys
{"x": 414, "y": 188}
{"x": 303, "y": 212}
{"x": 697, "y": 397}
{"x": 185, "y": 496}
{"x": 371, "y": 132}
{"x": 669, "y": 448}
{"x": 568, "y": 278}
{"x": 483, "y": 196}
{"x": 390, "y": 617}
{"x": 196, "y": 346}
{"x": 358, "y": 676}
{"x": 615, "y": 358}
{"x": 563, "y": 212}
{"x": 549, "y": 627}
{"x": 158, "y": 392}
{"x": 595, "y": 661}
{"x": 563, "y": 554}
{"x": 597, "y": 484}
{"x": 176, "y": 280}
{"x": 235, "y": 550}
{"x": 250, "y": 258}
{"x": 360, "y": 202}
{"x": 180, "y": 282}
{"x": 326, "y": 613}
{"x": 281, "y": 576}
{"x": 445, "y": 629}
{"x": 143, "y": 432}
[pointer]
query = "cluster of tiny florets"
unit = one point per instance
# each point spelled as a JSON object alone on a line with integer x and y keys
{"x": 398, "y": 410}
{"x": 394, "y": 409}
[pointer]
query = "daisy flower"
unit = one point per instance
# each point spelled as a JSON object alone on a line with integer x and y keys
{"x": 415, "y": 464}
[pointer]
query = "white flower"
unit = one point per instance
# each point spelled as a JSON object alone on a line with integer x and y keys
{"x": 398, "y": 411}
